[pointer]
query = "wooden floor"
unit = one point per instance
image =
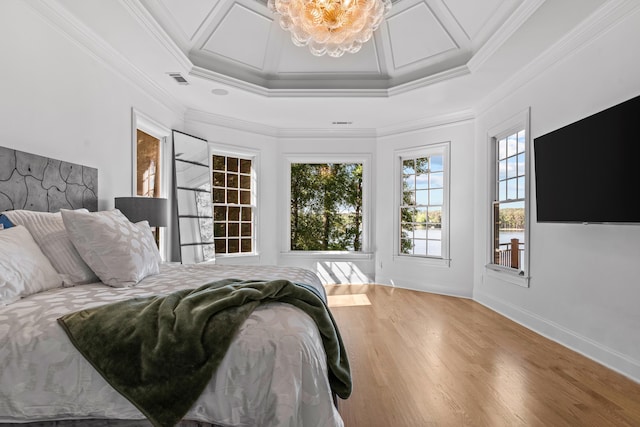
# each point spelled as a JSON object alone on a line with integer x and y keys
{"x": 420, "y": 359}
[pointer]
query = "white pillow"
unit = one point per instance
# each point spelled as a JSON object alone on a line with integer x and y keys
{"x": 24, "y": 270}
{"x": 49, "y": 232}
{"x": 119, "y": 252}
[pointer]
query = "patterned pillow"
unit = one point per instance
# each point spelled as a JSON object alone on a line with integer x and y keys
{"x": 4, "y": 222}
{"x": 119, "y": 252}
{"x": 24, "y": 270}
{"x": 50, "y": 234}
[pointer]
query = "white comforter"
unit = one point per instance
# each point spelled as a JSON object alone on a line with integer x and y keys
{"x": 274, "y": 373}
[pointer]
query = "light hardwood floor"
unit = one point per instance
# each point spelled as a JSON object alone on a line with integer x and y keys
{"x": 419, "y": 359}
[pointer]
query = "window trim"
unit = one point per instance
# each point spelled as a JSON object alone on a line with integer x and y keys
{"x": 140, "y": 121}
{"x": 517, "y": 122}
{"x": 427, "y": 149}
{"x": 217, "y": 148}
{"x": 367, "y": 214}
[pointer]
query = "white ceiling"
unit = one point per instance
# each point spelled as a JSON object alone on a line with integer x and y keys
{"x": 431, "y": 60}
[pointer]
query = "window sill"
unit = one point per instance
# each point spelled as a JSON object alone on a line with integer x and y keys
{"x": 426, "y": 261}
{"x": 330, "y": 255}
{"x": 507, "y": 275}
{"x": 238, "y": 255}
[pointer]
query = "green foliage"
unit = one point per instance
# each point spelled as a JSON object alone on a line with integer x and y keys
{"x": 326, "y": 207}
{"x": 512, "y": 218}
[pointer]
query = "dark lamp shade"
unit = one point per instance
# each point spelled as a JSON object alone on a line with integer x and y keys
{"x": 152, "y": 209}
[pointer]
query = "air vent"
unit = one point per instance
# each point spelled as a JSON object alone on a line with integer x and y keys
{"x": 342, "y": 123}
{"x": 178, "y": 78}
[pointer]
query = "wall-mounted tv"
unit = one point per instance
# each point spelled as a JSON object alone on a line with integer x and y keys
{"x": 589, "y": 171}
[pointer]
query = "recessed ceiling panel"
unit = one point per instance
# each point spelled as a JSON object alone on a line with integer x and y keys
{"x": 189, "y": 15}
{"x": 415, "y": 35}
{"x": 294, "y": 59}
{"x": 472, "y": 15}
{"x": 242, "y": 36}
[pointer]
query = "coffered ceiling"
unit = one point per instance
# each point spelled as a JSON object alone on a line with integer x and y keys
{"x": 430, "y": 60}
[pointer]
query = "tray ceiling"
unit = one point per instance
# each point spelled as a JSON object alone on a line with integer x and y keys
{"x": 431, "y": 62}
{"x": 241, "y": 40}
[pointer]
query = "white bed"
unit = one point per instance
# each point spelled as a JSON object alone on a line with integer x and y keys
{"x": 51, "y": 264}
{"x": 274, "y": 373}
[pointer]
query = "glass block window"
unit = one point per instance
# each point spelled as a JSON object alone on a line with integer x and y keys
{"x": 233, "y": 205}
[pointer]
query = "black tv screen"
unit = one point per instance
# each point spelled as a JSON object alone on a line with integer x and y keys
{"x": 589, "y": 171}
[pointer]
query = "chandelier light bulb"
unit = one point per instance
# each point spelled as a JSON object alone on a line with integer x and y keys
{"x": 330, "y": 27}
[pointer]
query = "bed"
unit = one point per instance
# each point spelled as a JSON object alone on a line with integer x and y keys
{"x": 274, "y": 373}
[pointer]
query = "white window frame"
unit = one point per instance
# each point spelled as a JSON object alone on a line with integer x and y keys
{"x": 140, "y": 121}
{"x": 426, "y": 150}
{"x": 216, "y": 148}
{"x": 512, "y": 125}
{"x": 365, "y": 160}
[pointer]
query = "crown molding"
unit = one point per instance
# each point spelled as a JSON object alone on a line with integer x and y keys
{"x": 606, "y": 17}
{"x": 98, "y": 49}
{"x": 258, "y": 89}
{"x": 442, "y": 76}
{"x": 504, "y": 33}
{"x": 327, "y": 133}
{"x": 151, "y": 26}
{"x": 449, "y": 119}
{"x": 198, "y": 116}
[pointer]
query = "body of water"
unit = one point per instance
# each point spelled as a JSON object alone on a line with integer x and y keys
{"x": 506, "y": 236}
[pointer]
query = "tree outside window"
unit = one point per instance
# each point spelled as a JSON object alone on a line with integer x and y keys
{"x": 326, "y": 206}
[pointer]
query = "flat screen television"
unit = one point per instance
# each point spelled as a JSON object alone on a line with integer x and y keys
{"x": 589, "y": 171}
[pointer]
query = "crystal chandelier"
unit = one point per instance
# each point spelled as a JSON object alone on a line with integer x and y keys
{"x": 330, "y": 26}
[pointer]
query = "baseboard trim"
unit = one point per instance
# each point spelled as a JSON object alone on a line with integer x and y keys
{"x": 422, "y": 286}
{"x": 595, "y": 351}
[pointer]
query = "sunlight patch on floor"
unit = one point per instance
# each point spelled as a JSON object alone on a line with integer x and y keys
{"x": 348, "y": 300}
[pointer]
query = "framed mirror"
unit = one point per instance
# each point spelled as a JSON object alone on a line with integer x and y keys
{"x": 192, "y": 179}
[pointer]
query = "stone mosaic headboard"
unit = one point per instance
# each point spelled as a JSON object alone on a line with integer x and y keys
{"x": 36, "y": 183}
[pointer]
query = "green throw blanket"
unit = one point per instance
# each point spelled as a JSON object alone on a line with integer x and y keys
{"x": 160, "y": 352}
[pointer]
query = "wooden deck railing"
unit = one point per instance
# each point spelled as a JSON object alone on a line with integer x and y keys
{"x": 509, "y": 254}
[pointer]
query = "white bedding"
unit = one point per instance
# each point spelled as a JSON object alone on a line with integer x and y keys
{"x": 274, "y": 373}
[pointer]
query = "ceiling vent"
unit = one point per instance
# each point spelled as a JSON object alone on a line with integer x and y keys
{"x": 178, "y": 78}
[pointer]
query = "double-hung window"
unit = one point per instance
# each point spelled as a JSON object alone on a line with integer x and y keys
{"x": 233, "y": 204}
{"x": 423, "y": 202}
{"x": 509, "y": 199}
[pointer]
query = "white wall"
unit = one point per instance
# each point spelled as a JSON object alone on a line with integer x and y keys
{"x": 56, "y": 100}
{"x": 585, "y": 279}
{"x": 412, "y": 273}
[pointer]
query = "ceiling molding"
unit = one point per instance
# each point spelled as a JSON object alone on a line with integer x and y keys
{"x": 432, "y": 122}
{"x": 414, "y": 11}
{"x": 327, "y": 133}
{"x": 604, "y": 18}
{"x": 229, "y": 122}
{"x": 207, "y": 74}
{"x": 515, "y": 21}
{"x": 235, "y": 8}
{"x": 151, "y": 26}
{"x": 102, "y": 52}
{"x": 452, "y": 73}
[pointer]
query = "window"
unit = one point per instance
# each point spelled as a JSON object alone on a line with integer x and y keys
{"x": 509, "y": 198}
{"x": 326, "y": 207}
{"x": 233, "y": 204}
{"x": 148, "y": 165}
{"x": 328, "y": 204}
{"x": 423, "y": 202}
